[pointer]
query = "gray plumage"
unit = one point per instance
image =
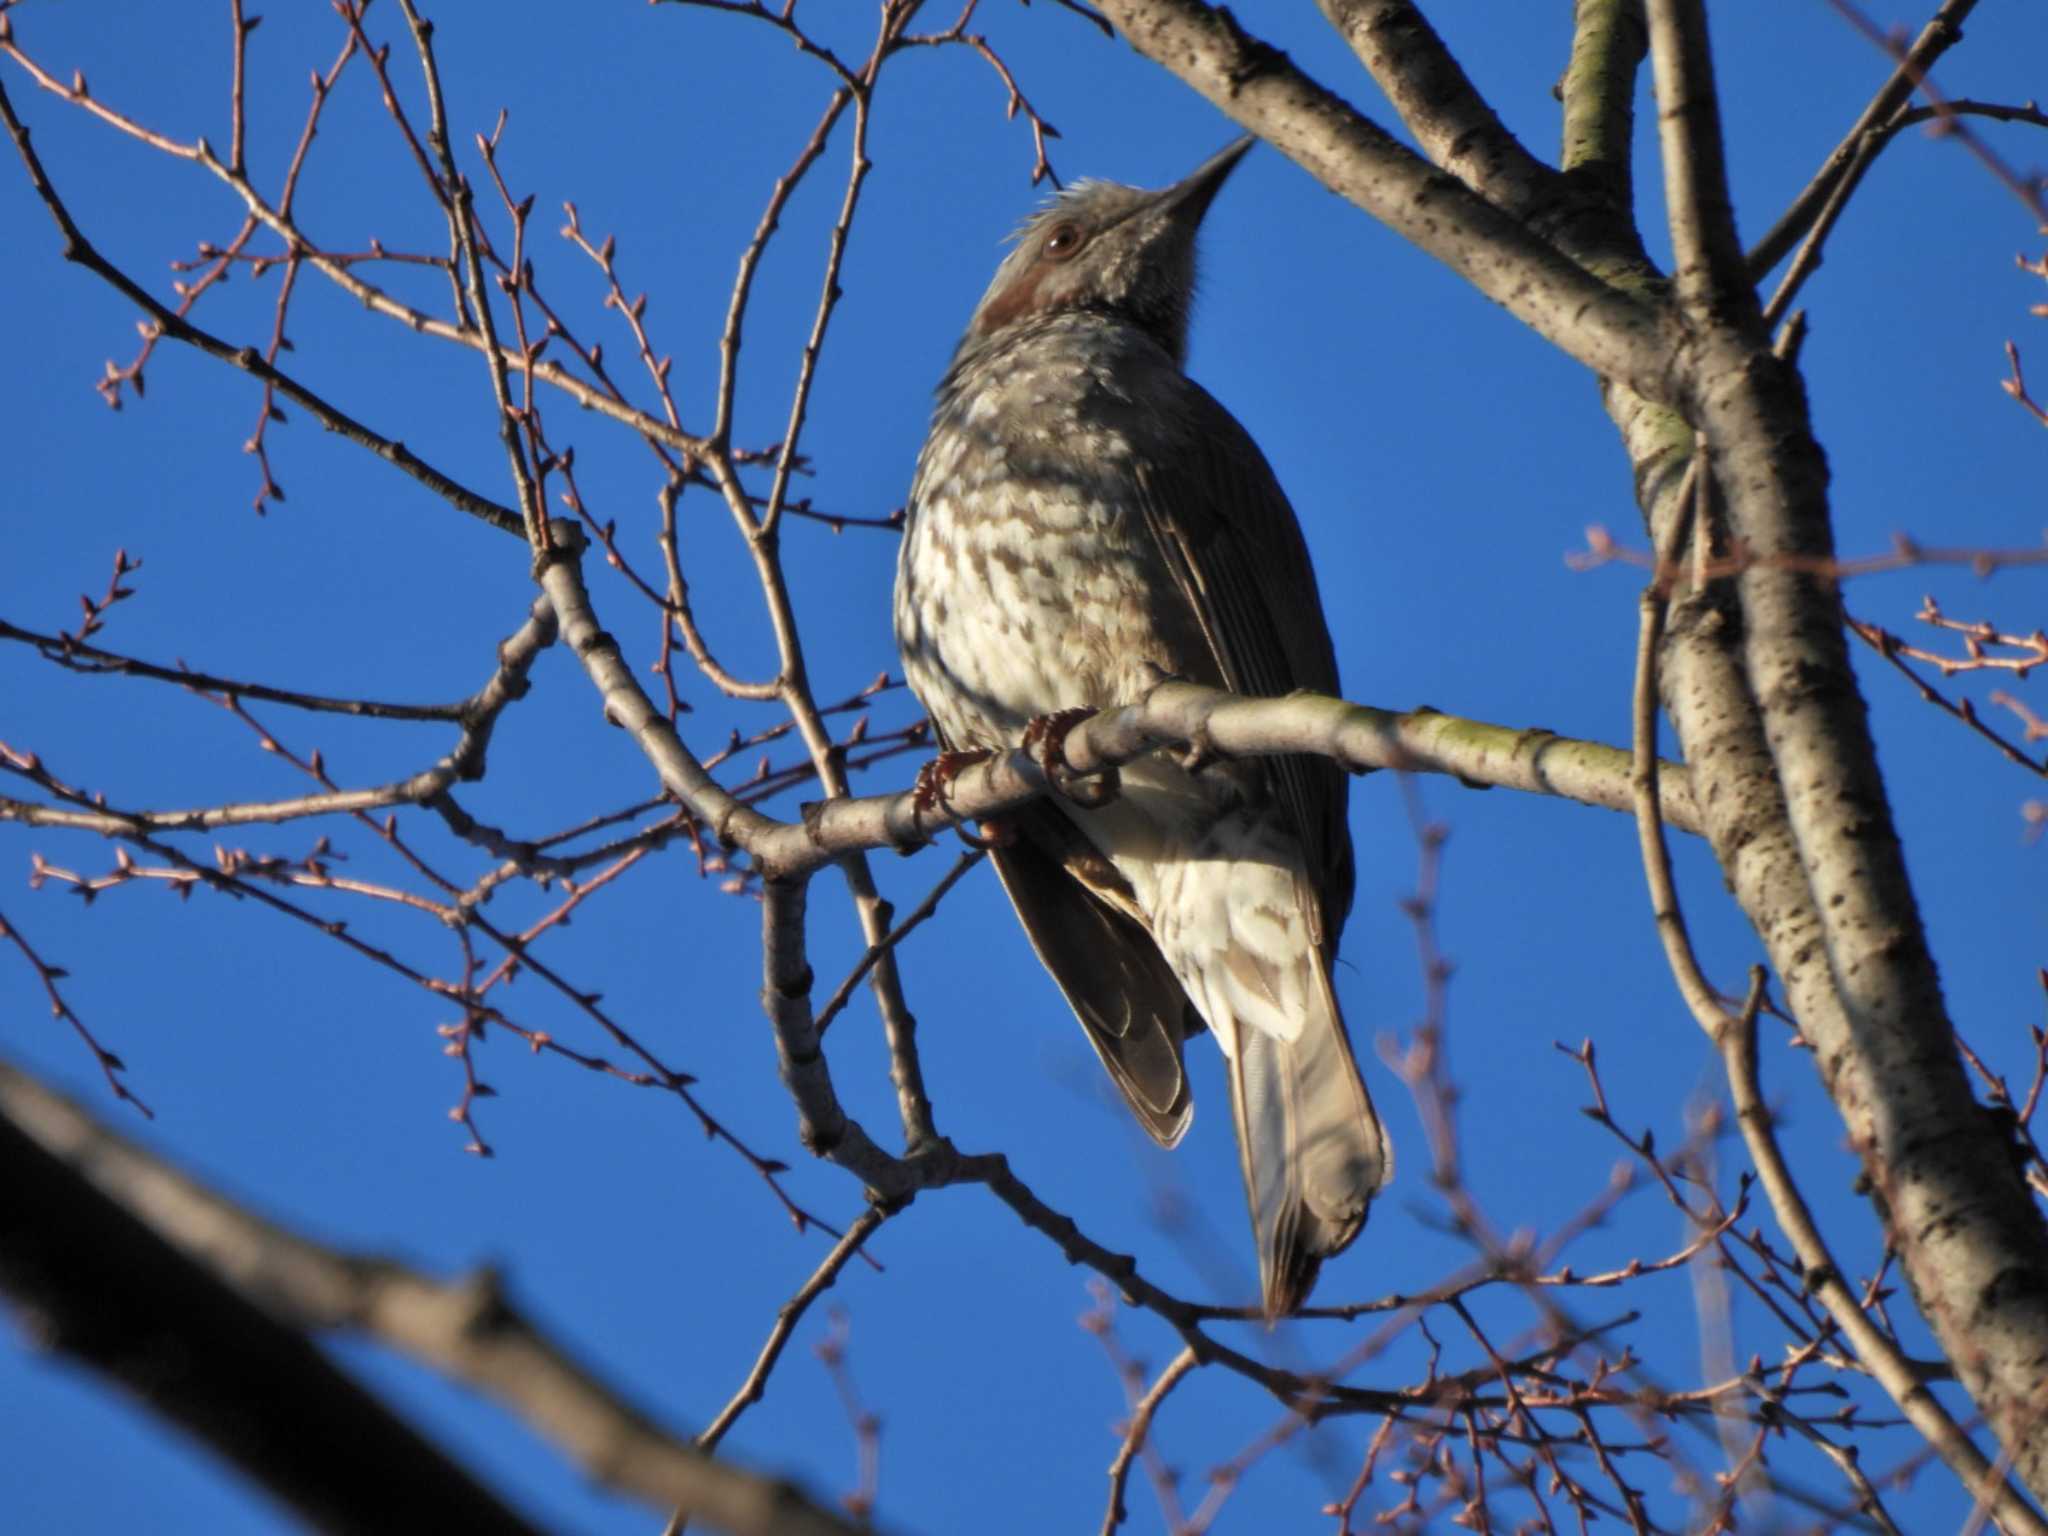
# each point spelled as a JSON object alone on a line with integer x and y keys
{"x": 1082, "y": 514}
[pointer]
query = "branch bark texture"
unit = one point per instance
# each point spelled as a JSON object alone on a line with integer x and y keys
{"x": 1970, "y": 1239}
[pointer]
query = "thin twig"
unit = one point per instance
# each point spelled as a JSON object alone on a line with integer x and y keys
{"x": 787, "y": 1317}
{"x": 1942, "y": 32}
{"x": 1137, "y": 1433}
{"x": 843, "y": 993}
{"x": 111, "y": 1066}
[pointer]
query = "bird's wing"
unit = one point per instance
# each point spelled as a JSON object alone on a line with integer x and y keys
{"x": 1236, "y": 551}
{"x": 1086, "y": 929}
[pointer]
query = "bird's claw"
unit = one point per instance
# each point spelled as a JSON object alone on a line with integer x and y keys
{"x": 1200, "y": 751}
{"x": 936, "y": 777}
{"x": 990, "y": 832}
{"x": 1046, "y": 739}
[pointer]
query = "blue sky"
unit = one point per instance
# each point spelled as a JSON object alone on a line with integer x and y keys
{"x": 1443, "y": 462}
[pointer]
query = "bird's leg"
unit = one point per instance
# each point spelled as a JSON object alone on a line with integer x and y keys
{"x": 1046, "y": 738}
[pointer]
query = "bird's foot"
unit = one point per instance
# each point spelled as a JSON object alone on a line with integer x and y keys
{"x": 936, "y": 778}
{"x": 1200, "y": 751}
{"x": 990, "y": 832}
{"x": 1046, "y": 739}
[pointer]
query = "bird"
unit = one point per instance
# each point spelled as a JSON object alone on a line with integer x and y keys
{"x": 1083, "y": 518}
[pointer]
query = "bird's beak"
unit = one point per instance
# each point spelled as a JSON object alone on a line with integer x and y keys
{"x": 1188, "y": 199}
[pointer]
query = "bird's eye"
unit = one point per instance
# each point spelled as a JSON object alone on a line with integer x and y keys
{"x": 1065, "y": 241}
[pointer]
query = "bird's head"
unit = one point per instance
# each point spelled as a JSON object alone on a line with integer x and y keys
{"x": 1101, "y": 248}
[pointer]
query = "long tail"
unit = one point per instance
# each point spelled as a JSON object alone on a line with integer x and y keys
{"x": 1231, "y": 907}
{"x": 1313, "y": 1150}
{"x": 1240, "y": 935}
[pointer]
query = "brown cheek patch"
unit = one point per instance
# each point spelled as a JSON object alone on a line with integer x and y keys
{"x": 1014, "y": 302}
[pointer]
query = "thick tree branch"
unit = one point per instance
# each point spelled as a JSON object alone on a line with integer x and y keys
{"x": 1611, "y": 332}
{"x": 1710, "y": 278}
{"x": 1173, "y": 714}
{"x": 229, "y": 1287}
{"x": 1709, "y": 699}
{"x": 1706, "y": 694}
{"x": 1584, "y": 209}
{"x": 1454, "y": 125}
{"x": 93, "y": 1281}
{"x": 1176, "y": 715}
{"x": 1733, "y": 1035}
{"x": 1689, "y": 631}
{"x": 1971, "y": 1242}
{"x": 1609, "y": 41}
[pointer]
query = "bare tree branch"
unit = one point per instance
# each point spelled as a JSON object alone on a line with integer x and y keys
{"x": 1604, "y": 328}
{"x": 478, "y": 716}
{"x": 347, "y": 1465}
{"x": 1137, "y": 1432}
{"x": 1454, "y": 125}
{"x": 1943, "y": 31}
{"x": 1971, "y": 1240}
{"x": 80, "y": 250}
{"x": 1710, "y": 279}
{"x": 92, "y": 1281}
{"x": 1183, "y": 714}
{"x": 1734, "y": 1038}
{"x": 792, "y": 1312}
{"x": 92, "y": 661}
{"x": 1807, "y": 260}
{"x": 1609, "y": 42}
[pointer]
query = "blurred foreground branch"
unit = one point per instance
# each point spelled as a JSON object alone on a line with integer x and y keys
{"x": 204, "y": 1310}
